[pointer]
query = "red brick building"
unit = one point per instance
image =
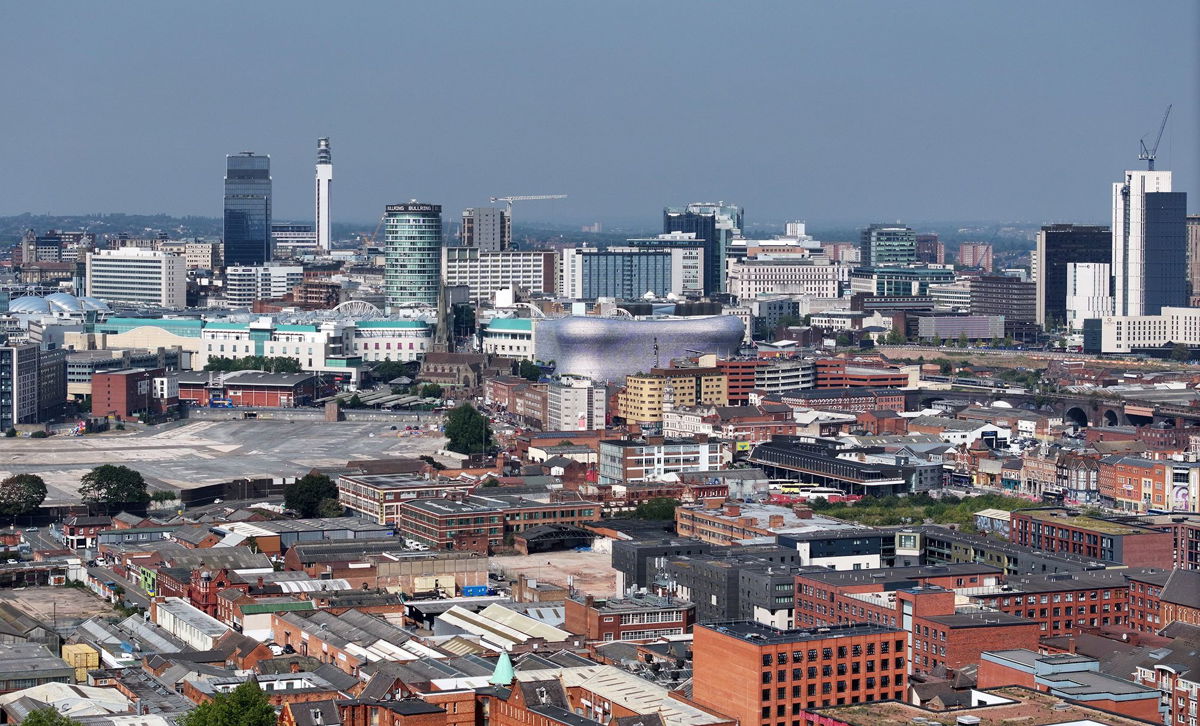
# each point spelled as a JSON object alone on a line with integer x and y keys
{"x": 444, "y": 522}
{"x": 739, "y": 377}
{"x": 837, "y": 373}
{"x": 883, "y": 422}
{"x": 250, "y": 388}
{"x": 1065, "y": 603}
{"x": 764, "y": 676}
{"x": 127, "y": 393}
{"x": 1157, "y": 599}
{"x": 639, "y": 617}
{"x": 847, "y": 399}
{"x": 1057, "y": 529}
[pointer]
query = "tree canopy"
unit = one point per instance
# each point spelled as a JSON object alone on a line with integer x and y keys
{"x": 658, "y": 508}
{"x": 305, "y": 495}
{"x": 468, "y": 430}
{"x": 246, "y": 705}
{"x": 21, "y": 494}
{"x": 48, "y": 717}
{"x": 113, "y": 484}
{"x": 529, "y": 370}
{"x": 274, "y": 364}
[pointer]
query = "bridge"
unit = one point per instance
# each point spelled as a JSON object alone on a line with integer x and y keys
{"x": 1093, "y": 409}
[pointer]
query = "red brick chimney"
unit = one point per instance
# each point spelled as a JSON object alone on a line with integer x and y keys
{"x": 713, "y": 502}
{"x": 775, "y": 520}
{"x": 732, "y": 510}
{"x": 802, "y": 511}
{"x": 295, "y": 666}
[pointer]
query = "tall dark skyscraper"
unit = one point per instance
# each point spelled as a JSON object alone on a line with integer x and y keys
{"x": 715, "y": 225}
{"x": 1058, "y": 245}
{"x": 247, "y": 209}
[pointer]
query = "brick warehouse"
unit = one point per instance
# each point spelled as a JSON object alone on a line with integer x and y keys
{"x": 766, "y": 676}
{"x": 249, "y": 388}
{"x": 1056, "y": 529}
{"x": 127, "y": 393}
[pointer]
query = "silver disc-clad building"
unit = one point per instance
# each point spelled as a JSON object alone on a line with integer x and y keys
{"x": 608, "y": 349}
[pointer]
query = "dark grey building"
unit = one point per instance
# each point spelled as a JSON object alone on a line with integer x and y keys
{"x": 715, "y": 224}
{"x": 247, "y": 209}
{"x": 33, "y": 384}
{"x": 638, "y": 563}
{"x": 1059, "y": 245}
{"x": 726, "y": 584}
{"x": 1009, "y": 297}
{"x": 1165, "y": 261}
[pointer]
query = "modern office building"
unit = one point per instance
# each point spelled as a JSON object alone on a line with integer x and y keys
{"x": 898, "y": 281}
{"x": 888, "y": 245}
{"x": 486, "y": 271}
{"x": 575, "y": 404}
{"x": 413, "y": 253}
{"x": 753, "y": 276}
{"x": 324, "y": 184}
{"x": 137, "y": 276}
{"x": 246, "y": 283}
{"x": 1059, "y": 245}
{"x": 628, "y": 273}
{"x": 1149, "y": 244}
{"x": 487, "y": 228}
{"x": 1088, "y": 292}
{"x": 715, "y": 224}
{"x": 33, "y": 384}
{"x": 647, "y": 395}
{"x": 1007, "y": 296}
{"x": 247, "y": 209}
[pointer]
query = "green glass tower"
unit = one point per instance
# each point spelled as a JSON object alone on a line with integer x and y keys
{"x": 413, "y": 251}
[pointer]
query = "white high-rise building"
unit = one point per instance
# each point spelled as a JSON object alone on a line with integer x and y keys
{"x": 324, "y": 182}
{"x": 133, "y": 275}
{"x": 1149, "y": 249}
{"x": 1088, "y": 292}
{"x": 247, "y": 283}
{"x": 575, "y": 404}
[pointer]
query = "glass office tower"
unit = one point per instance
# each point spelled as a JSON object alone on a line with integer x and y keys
{"x": 412, "y": 253}
{"x": 247, "y": 209}
{"x": 888, "y": 245}
{"x": 716, "y": 224}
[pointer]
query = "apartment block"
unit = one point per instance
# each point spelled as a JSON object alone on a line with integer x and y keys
{"x": 1056, "y": 529}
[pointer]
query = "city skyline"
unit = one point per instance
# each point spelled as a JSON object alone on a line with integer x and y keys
{"x": 897, "y": 132}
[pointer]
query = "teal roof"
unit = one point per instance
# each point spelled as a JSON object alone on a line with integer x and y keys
{"x": 296, "y": 328}
{"x": 523, "y": 324}
{"x": 414, "y": 324}
{"x": 227, "y": 326}
{"x": 276, "y": 607}
{"x": 503, "y": 675}
{"x": 185, "y": 327}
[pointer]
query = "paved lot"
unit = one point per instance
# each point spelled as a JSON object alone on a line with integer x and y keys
{"x": 57, "y": 604}
{"x": 592, "y": 572}
{"x": 207, "y": 452}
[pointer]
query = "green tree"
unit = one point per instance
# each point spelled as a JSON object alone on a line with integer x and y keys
{"x": 895, "y": 337}
{"x": 962, "y": 340}
{"x": 354, "y": 402}
{"x": 246, "y": 705}
{"x": 468, "y": 430}
{"x": 48, "y": 717}
{"x": 330, "y": 508}
{"x": 490, "y": 482}
{"x": 305, "y": 495}
{"x": 162, "y": 496}
{"x": 945, "y": 368}
{"x": 1180, "y": 352}
{"x": 21, "y": 494}
{"x": 529, "y": 370}
{"x": 11, "y": 432}
{"x": 113, "y": 484}
{"x": 432, "y": 390}
{"x": 842, "y": 340}
{"x": 659, "y": 508}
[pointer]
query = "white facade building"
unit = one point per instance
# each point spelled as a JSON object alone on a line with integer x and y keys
{"x": 509, "y": 337}
{"x": 324, "y": 184}
{"x": 131, "y": 275}
{"x": 486, "y": 271}
{"x": 1125, "y": 333}
{"x": 575, "y": 404}
{"x": 245, "y": 284}
{"x": 756, "y": 276}
{"x": 395, "y": 340}
{"x": 1088, "y": 292}
{"x": 1129, "y": 237}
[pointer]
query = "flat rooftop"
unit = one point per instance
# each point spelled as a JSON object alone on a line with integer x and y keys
{"x": 886, "y": 575}
{"x": 1082, "y": 521}
{"x": 755, "y": 632}
{"x": 640, "y": 603}
{"x": 1020, "y": 706}
{"x": 396, "y": 481}
{"x": 791, "y": 524}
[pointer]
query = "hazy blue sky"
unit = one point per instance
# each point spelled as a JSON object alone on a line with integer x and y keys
{"x": 831, "y": 112}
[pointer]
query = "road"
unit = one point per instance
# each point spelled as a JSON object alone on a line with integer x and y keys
{"x": 133, "y": 593}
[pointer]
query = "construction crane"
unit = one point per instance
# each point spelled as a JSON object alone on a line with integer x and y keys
{"x": 1148, "y": 155}
{"x": 508, "y": 201}
{"x": 368, "y": 242}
